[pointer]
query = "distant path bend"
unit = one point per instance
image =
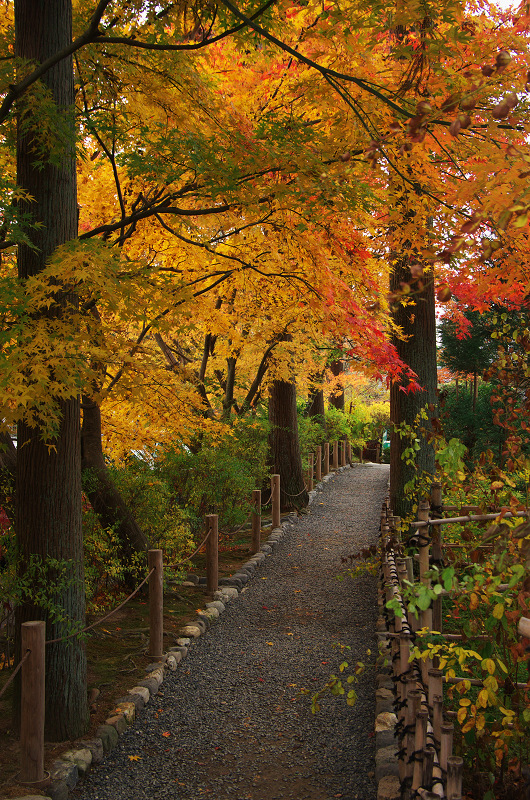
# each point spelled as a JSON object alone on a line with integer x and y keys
{"x": 238, "y": 728}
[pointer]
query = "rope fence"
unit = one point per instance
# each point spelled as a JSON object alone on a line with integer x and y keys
{"x": 188, "y": 558}
{"x": 102, "y": 619}
{"x": 427, "y": 766}
{"x": 14, "y": 673}
{"x": 32, "y": 663}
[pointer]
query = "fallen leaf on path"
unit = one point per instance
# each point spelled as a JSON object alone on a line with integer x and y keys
{"x": 134, "y": 758}
{"x": 166, "y": 734}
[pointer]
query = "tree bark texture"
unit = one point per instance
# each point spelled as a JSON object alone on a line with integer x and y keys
{"x": 99, "y": 487}
{"x": 285, "y": 458}
{"x": 48, "y": 501}
{"x": 315, "y": 404}
{"x": 337, "y": 398}
{"x": 418, "y": 351}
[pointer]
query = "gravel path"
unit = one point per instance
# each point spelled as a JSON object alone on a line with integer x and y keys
{"x": 230, "y": 723}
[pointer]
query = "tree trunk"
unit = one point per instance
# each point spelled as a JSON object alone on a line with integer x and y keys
{"x": 228, "y": 398}
{"x": 285, "y": 458}
{"x": 99, "y": 487}
{"x": 337, "y": 398}
{"x": 315, "y": 405}
{"x": 418, "y": 351}
{"x": 48, "y": 500}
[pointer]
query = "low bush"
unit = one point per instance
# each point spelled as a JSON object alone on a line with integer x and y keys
{"x": 220, "y": 477}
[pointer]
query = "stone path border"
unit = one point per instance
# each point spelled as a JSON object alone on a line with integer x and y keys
{"x": 73, "y": 765}
{"x": 386, "y": 746}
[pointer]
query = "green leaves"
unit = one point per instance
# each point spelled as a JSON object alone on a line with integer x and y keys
{"x": 335, "y": 686}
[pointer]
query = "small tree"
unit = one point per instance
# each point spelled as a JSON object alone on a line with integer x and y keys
{"x": 468, "y": 352}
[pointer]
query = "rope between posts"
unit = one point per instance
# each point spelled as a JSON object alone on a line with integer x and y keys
{"x": 17, "y": 668}
{"x": 102, "y": 619}
{"x": 183, "y": 561}
{"x": 293, "y": 495}
{"x": 237, "y": 530}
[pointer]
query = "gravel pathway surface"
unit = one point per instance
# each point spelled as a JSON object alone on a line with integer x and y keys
{"x": 230, "y": 723}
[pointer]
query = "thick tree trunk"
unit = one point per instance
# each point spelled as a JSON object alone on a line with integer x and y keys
{"x": 418, "y": 351}
{"x": 105, "y": 499}
{"x": 285, "y": 458}
{"x": 48, "y": 500}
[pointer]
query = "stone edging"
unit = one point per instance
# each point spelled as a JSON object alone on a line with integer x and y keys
{"x": 386, "y": 747}
{"x": 74, "y": 764}
{"x": 386, "y": 760}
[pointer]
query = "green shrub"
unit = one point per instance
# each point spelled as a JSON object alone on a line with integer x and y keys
{"x": 165, "y": 524}
{"x": 311, "y": 434}
{"x": 106, "y": 576}
{"x": 363, "y": 424}
{"x": 220, "y": 478}
{"x": 338, "y": 424}
{"x": 42, "y": 582}
{"x": 475, "y": 429}
{"x": 151, "y": 501}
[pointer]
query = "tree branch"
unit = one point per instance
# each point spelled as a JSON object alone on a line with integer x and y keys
{"x": 324, "y": 71}
{"x": 90, "y": 35}
{"x": 132, "y": 219}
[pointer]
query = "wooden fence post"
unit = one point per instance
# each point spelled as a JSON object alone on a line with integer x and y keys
{"x": 424, "y": 551}
{"x": 437, "y": 550}
{"x": 446, "y": 744}
{"x": 436, "y": 495}
{"x": 412, "y": 709}
{"x": 454, "y": 776}
{"x": 420, "y": 734}
{"x": 335, "y": 455}
{"x": 434, "y": 685}
{"x": 437, "y": 717}
{"x": 212, "y": 554}
{"x": 275, "y": 499}
{"x": 256, "y": 521}
{"x": 428, "y": 763}
{"x": 32, "y": 703}
{"x": 310, "y": 468}
{"x": 156, "y": 603}
{"x": 318, "y": 470}
{"x": 326, "y": 458}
